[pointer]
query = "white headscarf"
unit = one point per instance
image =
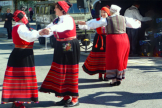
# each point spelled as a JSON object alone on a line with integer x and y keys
{"x": 115, "y": 9}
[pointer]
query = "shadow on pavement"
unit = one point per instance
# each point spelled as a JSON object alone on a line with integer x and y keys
{"x": 81, "y": 80}
{"x": 146, "y": 68}
{"x": 41, "y": 104}
{"x": 99, "y": 85}
{"x": 120, "y": 99}
{"x": 6, "y": 105}
{"x": 157, "y": 60}
{"x": 116, "y": 99}
{"x": 92, "y": 86}
{"x": 8, "y": 46}
{"x": 46, "y": 59}
{"x": 82, "y": 58}
{"x": 43, "y": 60}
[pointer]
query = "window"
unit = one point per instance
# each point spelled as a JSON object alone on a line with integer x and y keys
{"x": 52, "y": 9}
{"x": 37, "y": 10}
{"x": 47, "y": 10}
{"x": 42, "y": 10}
{"x": 74, "y": 9}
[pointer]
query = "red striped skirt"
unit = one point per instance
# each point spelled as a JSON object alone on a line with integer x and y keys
{"x": 117, "y": 53}
{"x": 62, "y": 78}
{"x": 96, "y": 61}
{"x": 20, "y": 82}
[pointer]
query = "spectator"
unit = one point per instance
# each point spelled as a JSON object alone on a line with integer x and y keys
{"x": 31, "y": 15}
{"x": 133, "y": 12}
{"x": 93, "y": 13}
{"x": 8, "y": 23}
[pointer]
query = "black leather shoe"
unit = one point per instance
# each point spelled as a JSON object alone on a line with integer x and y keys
{"x": 71, "y": 104}
{"x": 118, "y": 83}
{"x": 63, "y": 102}
{"x": 100, "y": 79}
{"x": 113, "y": 84}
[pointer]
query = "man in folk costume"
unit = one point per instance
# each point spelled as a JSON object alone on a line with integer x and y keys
{"x": 20, "y": 82}
{"x": 117, "y": 42}
{"x": 95, "y": 62}
{"x": 62, "y": 78}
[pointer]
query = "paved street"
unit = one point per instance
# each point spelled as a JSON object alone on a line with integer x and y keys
{"x": 142, "y": 87}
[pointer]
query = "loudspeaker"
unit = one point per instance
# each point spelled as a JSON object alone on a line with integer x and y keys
{"x": 82, "y": 4}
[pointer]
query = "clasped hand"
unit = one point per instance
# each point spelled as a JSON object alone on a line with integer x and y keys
{"x": 45, "y": 31}
{"x": 81, "y": 22}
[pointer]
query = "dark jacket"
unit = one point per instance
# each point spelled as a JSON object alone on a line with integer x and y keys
{"x": 31, "y": 13}
{"x": 8, "y": 23}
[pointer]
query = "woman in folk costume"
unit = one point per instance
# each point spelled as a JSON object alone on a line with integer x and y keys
{"x": 117, "y": 42}
{"x": 20, "y": 82}
{"x": 95, "y": 62}
{"x": 62, "y": 78}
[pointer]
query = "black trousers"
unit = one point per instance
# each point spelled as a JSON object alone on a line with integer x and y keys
{"x": 9, "y": 31}
{"x": 133, "y": 36}
{"x": 31, "y": 19}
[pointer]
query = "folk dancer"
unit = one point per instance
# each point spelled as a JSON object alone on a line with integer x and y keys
{"x": 95, "y": 62}
{"x": 117, "y": 42}
{"x": 20, "y": 82}
{"x": 62, "y": 78}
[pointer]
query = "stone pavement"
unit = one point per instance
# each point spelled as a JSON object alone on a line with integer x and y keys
{"x": 142, "y": 87}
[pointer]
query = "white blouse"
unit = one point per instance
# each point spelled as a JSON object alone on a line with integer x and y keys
{"x": 65, "y": 23}
{"x": 93, "y": 24}
{"x": 134, "y": 13}
{"x": 26, "y": 34}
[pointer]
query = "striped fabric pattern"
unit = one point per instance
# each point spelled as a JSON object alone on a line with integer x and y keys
{"x": 61, "y": 80}
{"x": 95, "y": 63}
{"x": 20, "y": 84}
{"x": 103, "y": 30}
{"x": 116, "y": 25}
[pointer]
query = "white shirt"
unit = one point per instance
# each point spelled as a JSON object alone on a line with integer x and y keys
{"x": 85, "y": 27}
{"x": 133, "y": 12}
{"x": 65, "y": 23}
{"x": 26, "y": 34}
{"x": 93, "y": 24}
